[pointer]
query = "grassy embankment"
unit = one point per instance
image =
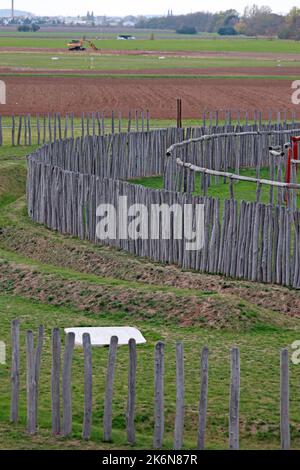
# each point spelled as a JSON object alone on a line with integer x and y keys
{"x": 60, "y": 281}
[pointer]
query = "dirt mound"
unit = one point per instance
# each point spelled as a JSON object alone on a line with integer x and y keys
{"x": 212, "y": 312}
{"x": 112, "y": 264}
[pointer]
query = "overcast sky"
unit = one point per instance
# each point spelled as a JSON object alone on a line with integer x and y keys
{"x": 137, "y": 7}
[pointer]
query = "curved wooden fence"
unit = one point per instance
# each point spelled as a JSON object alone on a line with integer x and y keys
{"x": 69, "y": 179}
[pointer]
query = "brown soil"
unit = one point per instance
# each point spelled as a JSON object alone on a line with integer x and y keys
{"x": 111, "y": 264}
{"x": 207, "y": 71}
{"x": 27, "y": 282}
{"x": 210, "y": 311}
{"x": 199, "y": 54}
{"x": 69, "y": 94}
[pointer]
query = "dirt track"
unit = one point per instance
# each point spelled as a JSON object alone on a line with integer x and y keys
{"x": 66, "y": 94}
{"x": 199, "y": 54}
{"x": 207, "y": 71}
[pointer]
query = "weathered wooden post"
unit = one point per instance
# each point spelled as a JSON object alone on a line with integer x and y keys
{"x": 67, "y": 384}
{"x": 19, "y": 130}
{"x": 59, "y": 126}
{"x": 50, "y": 128}
{"x": 66, "y": 126}
{"x": 15, "y": 371}
{"x": 38, "y": 129}
{"x": 234, "y": 400}
{"x": 55, "y": 127}
{"x": 120, "y": 122}
{"x": 55, "y": 380}
{"x": 107, "y": 418}
{"x": 72, "y": 125}
{"x": 13, "y": 128}
{"x": 93, "y": 125}
{"x": 82, "y": 125}
{"x": 203, "y": 399}
{"x": 143, "y": 120}
{"x": 31, "y": 384}
{"x": 1, "y": 131}
{"x": 88, "y": 386}
{"x": 131, "y": 391}
{"x": 179, "y": 419}
{"x": 129, "y": 122}
{"x": 159, "y": 369}
{"x": 179, "y": 113}
{"x": 87, "y": 123}
{"x": 137, "y": 120}
{"x": 112, "y": 122}
{"x": 44, "y": 129}
{"x": 284, "y": 399}
{"x": 29, "y": 129}
{"x": 37, "y": 361}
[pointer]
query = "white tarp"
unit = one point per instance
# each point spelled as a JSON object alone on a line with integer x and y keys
{"x": 101, "y": 336}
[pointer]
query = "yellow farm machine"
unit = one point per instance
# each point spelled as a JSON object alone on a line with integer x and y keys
{"x": 79, "y": 45}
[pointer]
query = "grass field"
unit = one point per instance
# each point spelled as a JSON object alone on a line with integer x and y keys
{"x": 60, "y": 281}
{"x": 103, "y": 33}
{"x": 243, "y": 190}
{"x": 140, "y": 66}
{"x": 88, "y": 61}
{"x": 194, "y": 45}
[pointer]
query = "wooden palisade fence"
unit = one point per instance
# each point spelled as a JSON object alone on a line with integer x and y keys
{"x": 69, "y": 179}
{"x": 61, "y": 373}
{"x": 39, "y": 129}
{"x": 27, "y": 129}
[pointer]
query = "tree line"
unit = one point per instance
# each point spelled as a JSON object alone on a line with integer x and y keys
{"x": 255, "y": 21}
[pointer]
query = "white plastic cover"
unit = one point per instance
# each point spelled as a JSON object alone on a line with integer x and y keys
{"x": 101, "y": 336}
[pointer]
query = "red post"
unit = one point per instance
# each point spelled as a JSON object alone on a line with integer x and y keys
{"x": 293, "y": 154}
{"x": 295, "y": 141}
{"x": 288, "y": 166}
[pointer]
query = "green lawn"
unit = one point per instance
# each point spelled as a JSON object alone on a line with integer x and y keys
{"x": 243, "y": 190}
{"x": 25, "y": 276}
{"x": 212, "y": 45}
{"x": 104, "y": 33}
{"x": 88, "y": 61}
{"x": 259, "y": 379}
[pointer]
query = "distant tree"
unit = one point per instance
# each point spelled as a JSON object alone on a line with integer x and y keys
{"x": 186, "y": 30}
{"x": 241, "y": 27}
{"x": 232, "y": 19}
{"x": 255, "y": 21}
{"x": 35, "y": 27}
{"x": 24, "y": 28}
{"x": 284, "y": 33}
{"x": 291, "y": 28}
{"x": 224, "y": 18}
{"x": 261, "y": 21}
{"x": 201, "y": 21}
{"x": 293, "y": 16}
{"x": 227, "y": 31}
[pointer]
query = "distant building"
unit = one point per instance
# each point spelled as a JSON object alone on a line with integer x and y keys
{"x": 129, "y": 24}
